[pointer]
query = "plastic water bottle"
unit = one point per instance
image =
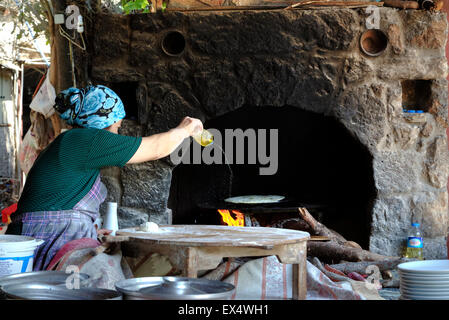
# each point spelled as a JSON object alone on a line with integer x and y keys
{"x": 414, "y": 243}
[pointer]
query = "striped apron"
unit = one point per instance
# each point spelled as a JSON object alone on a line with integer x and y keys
{"x": 57, "y": 228}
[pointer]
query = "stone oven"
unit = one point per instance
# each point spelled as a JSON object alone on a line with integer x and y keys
{"x": 347, "y": 139}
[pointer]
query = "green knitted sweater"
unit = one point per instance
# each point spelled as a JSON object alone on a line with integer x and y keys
{"x": 66, "y": 170}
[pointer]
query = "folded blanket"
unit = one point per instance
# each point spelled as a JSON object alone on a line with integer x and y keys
{"x": 103, "y": 269}
{"x": 71, "y": 246}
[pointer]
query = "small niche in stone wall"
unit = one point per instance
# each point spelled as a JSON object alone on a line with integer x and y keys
{"x": 416, "y": 95}
{"x": 127, "y": 92}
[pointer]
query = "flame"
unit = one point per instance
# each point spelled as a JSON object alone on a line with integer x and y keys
{"x": 239, "y": 220}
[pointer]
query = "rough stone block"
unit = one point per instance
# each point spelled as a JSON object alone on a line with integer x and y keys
{"x": 114, "y": 188}
{"x": 396, "y": 172}
{"x": 356, "y": 69}
{"x": 110, "y": 73}
{"x": 395, "y": 38}
{"x": 389, "y": 245}
{"x": 157, "y": 22}
{"x": 109, "y": 27}
{"x": 437, "y": 163}
{"x": 261, "y": 38}
{"x": 405, "y": 135}
{"x": 438, "y": 105}
{"x": 319, "y": 78}
{"x": 131, "y": 217}
{"x": 391, "y": 216}
{"x": 161, "y": 218}
{"x": 130, "y": 128}
{"x": 364, "y": 114}
{"x": 435, "y": 248}
{"x": 217, "y": 95}
{"x": 433, "y": 36}
{"x": 168, "y": 111}
{"x": 412, "y": 65}
{"x": 431, "y": 211}
{"x": 146, "y": 186}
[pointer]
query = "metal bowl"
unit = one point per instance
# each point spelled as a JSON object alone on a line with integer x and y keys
{"x": 174, "y": 288}
{"x": 51, "y": 292}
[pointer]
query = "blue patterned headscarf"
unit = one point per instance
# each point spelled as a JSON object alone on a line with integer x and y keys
{"x": 91, "y": 107}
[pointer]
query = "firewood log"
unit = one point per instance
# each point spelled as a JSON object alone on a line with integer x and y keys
{"x": 401, "y": 4}
{"x": 360, "y": 267}
{"x": 320, "y": 229}
{"x": 352, "y": 244}
{"x": 332, "y": 252}
{"x": 338, "y": 248}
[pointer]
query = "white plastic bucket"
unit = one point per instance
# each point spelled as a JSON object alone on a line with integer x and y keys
{"x": 17, "y": 254}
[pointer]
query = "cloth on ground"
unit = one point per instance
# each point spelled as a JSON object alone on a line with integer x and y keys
{"x": 104, "y": 269}
{"x": 267, "y": 278}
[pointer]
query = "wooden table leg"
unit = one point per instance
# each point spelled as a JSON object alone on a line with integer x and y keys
{"x": 299, "y": 284}
{"x": 190, "y": 269}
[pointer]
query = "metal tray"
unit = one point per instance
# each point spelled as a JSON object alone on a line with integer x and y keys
{"x": 174, "y": 288}
{"x": 51, "y": 292}
{"x": 37, "y": 277}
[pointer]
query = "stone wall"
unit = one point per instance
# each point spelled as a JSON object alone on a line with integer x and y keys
{"x": 309, "y": 59}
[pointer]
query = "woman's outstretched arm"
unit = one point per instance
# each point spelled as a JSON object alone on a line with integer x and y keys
{"x": 162, "y": 144}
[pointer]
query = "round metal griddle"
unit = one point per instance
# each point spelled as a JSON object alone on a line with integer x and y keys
{"x": 36, "y": 291}
{"x": 174, "y": 288}
{"x": 56, "y": 278}
{"x": 285, "y": 205}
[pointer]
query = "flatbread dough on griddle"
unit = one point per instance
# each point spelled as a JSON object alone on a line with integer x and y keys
{"x": 255, "y": 199}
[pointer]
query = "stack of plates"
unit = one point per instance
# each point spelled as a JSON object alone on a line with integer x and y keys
{"x": 424, "y": 280}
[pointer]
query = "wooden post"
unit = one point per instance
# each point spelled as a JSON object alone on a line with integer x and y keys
{"x": 191, "y": 263}
{"x": 299, "y": 283}
{"x": 62, "y": 71}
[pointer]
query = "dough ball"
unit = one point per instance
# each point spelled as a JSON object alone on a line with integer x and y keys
{"x": 149, "y": 227}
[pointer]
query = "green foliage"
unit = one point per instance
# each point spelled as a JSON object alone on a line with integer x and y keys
{"x": 134, "y": 6}
{"x": 31, "y": 12}
{"x": 34, "y": 13}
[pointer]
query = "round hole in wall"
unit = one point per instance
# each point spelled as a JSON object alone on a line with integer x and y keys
{"x": 173, "y": 43}
{"x": 373, "y": 42}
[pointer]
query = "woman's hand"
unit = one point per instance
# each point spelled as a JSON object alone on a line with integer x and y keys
{"x": 104, "y": 232}
{"x": 192, "y": 126}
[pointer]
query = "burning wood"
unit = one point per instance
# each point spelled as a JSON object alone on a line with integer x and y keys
{"x": 239, "y": 220}
{"x": 334, "y": 250}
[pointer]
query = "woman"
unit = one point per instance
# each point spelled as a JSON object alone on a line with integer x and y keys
{"x": 63, "y": 191}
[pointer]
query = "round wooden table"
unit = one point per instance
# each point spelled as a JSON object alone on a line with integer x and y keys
{"x": 202, "y": 247}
